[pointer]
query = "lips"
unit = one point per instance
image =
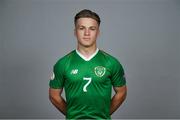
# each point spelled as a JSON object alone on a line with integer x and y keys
{"x": 86, "y": 38}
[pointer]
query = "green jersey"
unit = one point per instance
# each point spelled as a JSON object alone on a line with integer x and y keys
{"x": 88, "y": 83}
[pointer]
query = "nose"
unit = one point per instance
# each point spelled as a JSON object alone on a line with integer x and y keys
{"x": 87, "y": 32}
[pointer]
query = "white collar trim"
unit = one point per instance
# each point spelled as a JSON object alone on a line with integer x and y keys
{"x": 87, "y": 59}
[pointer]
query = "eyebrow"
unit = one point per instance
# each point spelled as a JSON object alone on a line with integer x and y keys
{"x": 85, "y": 26}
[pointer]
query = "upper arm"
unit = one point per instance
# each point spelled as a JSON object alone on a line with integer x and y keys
{"x": 117, "y": 74}
{"x": 53, "y": 93}
{"x": 120, "y": 90}
{"x": 57, "y": 78}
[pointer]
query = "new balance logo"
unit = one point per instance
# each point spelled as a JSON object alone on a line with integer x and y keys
{"x": 74, "y": 71}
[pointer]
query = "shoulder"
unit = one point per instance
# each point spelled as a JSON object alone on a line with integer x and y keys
{"x": 112, "y": 62}
{"x": 63, "y": 60}
{"x": 110, "y": 58}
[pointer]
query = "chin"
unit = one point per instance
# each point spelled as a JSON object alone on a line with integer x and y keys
{"x": 86, "y": 45}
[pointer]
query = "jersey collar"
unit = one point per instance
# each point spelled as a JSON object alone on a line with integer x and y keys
{"x": 87, "y": 59}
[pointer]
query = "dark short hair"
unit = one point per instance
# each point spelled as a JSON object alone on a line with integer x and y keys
{"x": 87, "y": 14}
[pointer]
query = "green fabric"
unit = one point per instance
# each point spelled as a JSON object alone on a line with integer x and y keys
{"x": 88, "y": 84}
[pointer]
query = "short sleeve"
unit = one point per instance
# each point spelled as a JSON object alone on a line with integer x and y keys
{"x": 118, "y": 77}
{"x": 57, "y": 79}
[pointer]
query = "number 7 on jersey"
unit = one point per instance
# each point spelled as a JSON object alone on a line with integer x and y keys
{"x": 85, "y": 86}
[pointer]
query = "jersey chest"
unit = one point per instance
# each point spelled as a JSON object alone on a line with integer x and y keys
{"x": 87, "y": 75}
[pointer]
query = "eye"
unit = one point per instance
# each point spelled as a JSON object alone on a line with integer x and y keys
{"x": 92, "y": 28}
{"x": 81, "y": 28}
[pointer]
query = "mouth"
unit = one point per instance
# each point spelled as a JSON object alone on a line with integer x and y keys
{"x": 86, "y": 38}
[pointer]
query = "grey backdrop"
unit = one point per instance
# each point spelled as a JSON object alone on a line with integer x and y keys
{"x": 143, "y": 34}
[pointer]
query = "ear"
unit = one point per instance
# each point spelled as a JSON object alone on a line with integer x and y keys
{"x": 98, "y": 34}
{"x": 75, "y": 32}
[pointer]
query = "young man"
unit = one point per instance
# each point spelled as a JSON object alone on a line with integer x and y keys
{"x": 87, "y": 74}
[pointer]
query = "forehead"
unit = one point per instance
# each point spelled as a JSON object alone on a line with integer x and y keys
{"x": 86, "y": 22}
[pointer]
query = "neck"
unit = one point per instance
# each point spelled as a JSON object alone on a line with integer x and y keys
{"x": 87, "y": 51}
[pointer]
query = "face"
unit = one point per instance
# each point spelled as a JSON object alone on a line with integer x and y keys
{"x": 86, "y": 31}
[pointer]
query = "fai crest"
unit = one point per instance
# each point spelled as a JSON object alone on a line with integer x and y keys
{"x": 100, "y": 71}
